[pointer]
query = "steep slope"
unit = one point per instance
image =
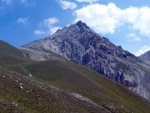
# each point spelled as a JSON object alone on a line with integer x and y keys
{"x": 9, "y": 54}
{"x": 81, "y": 45}
{"x": 9, "y": 50}
{"x": 26, "y": 95}
{"x": 84, "y": 83}
{"x": 60, "y": 86}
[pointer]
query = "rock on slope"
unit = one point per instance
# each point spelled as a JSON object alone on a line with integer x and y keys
{"x": 81, "y": 45}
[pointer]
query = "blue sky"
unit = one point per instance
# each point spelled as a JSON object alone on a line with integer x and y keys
{"x": 124, "y": 22}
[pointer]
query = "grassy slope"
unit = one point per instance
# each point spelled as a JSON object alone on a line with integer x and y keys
{"x": 79, "y": 79}
{"x": 9, "y": 54}
{"x": 65, "y": 75}
{"x": 69, "y": 77}
{"x": 9, "y": 50}
{"x": 35, "y": 99}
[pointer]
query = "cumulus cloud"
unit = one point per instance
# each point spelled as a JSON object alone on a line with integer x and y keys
{"x": 103, "y": 19}
{"x": 142, "y": 50}
{"x": 132, "y": 37}
{"x": 49, "y": 23}
{"x": 142, "y": 22}
{"x": 67, "y": 4}
{"x": 7, "y": 1}
{"x": 22, "y": 20}
{"x": 107, "y": 18}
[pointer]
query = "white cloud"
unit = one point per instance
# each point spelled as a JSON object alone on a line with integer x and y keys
{"x": 103, "y": 19}
{"x": 49, "y": 23}
{"x": 142, "y": 22}
{"x": 22, "y": 20}
{"x": 90, "y": 1}
{"x": 40, "y": 32}
{"x": 28, "y": 2}
{"x": 132, "y": 37}
{"x": 142, "y": 50}
{"x": 107, "y": 18}
{"x": 53, "y": 29}
{"x": 67, "y": 4}
{"x": 7, "y": 1}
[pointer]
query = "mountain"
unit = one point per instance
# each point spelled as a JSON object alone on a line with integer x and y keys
{"x": 60, "y": 86}
{"x": 146, "y": 56}
{"x": 78, "y": 43}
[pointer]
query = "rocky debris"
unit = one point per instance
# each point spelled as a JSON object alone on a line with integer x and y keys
{"x": 21, "y": 86}
{"x": 30, "y": 75}
{"x": 39, "y": 55}
{"x": 14, "y": 103}
{"x": 84, "y": 99}
{"x": 78, "y": 43}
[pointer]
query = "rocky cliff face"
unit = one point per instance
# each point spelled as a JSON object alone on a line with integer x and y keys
{"x": 81, "y": 45}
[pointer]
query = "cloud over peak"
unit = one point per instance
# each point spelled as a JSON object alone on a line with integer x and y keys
{"x": 106, "y": 19}
{"x": 49, "y": 24}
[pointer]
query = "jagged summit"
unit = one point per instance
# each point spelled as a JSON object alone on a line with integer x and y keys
{"x": 81, "y": 24}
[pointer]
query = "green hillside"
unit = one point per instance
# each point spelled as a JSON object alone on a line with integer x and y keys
{"x": 9, "y": 54}
{"x": 9, "y": 50}
{"x": 79, "y": 79}
{"x": 60, "y": 86}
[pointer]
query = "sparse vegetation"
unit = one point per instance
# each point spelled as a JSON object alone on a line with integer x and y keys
{"x": 71, "y": 77}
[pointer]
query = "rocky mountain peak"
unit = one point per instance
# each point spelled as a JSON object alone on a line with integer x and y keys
{"x": 81, "y": 24}
{"x": 78, "y": 43}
